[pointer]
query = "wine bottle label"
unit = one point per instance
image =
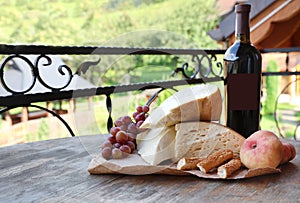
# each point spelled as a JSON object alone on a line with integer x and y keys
{"x": 243, "y": 91}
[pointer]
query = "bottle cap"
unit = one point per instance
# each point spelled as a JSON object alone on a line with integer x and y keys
{"x": 242, "y": 20}
{"x": 242, "y": 8}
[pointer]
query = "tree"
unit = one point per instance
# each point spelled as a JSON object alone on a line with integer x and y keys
{"x": 272, "y": 88}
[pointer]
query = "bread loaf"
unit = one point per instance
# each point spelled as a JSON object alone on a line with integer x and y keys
{"x": 197, "y": 103}
{"x": 200, "y": 139}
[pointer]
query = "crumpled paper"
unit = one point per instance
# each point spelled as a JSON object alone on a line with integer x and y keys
{"x": 135, "y": 165}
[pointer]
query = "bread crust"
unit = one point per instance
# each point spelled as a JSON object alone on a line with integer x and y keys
{"x": 188, "y": 163}
{"x": 214, "y": 160}
{"x": 225, "y": 170}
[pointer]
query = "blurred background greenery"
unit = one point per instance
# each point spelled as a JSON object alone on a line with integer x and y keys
{"x": 84, "y": 22}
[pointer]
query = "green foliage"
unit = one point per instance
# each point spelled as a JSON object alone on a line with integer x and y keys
{"x": 193, "y": 20}
{"x": 287, "y": 128}
{"x": 29, "y": 137}
{"x": 120, "y": 4}
{"x": 43, "y": 130}
{"x": 86, "y": 22}
{"x": 135, "y": 23}
{"x": 272, "y": 88}
{"x": 164, "y": 95}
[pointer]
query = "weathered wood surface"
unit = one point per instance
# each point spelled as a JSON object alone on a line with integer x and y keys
{"x": 56, "y": 171}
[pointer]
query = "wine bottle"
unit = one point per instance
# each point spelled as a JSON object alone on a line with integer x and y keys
{"x": 242, "y": 73}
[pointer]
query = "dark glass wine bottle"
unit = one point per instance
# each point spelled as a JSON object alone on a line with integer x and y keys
{"x": 242, "y": 73}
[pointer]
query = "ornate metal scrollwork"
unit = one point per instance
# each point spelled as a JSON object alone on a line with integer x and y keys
{"x": 7, "y": 88}
{"x": 60, "y": 68}
{"x": 35, "y": 67}
{"x": 218, "y": 64}
{"x": 85, "y": 66}
{"x": 202, "y": 70}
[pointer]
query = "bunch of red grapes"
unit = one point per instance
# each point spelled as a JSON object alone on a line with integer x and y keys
{"x": 122, "y": 139}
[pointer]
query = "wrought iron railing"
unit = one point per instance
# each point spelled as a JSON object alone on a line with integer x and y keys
{"x": 212, "y": 71}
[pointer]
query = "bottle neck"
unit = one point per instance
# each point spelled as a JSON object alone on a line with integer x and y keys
{"x": 242, "y": 28}
{"x": 242, "y": 38}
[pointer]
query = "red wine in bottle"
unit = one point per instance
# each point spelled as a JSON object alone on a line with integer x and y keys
{"x": 242, "y": 73}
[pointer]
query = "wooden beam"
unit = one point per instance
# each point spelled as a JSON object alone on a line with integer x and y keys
{"x": 8, "y": 118}
{"x": 71, "y": 105}
{"x": 278, "y": 28}
{"x": 24, "y": 114}
{"x": 280, "y": 33}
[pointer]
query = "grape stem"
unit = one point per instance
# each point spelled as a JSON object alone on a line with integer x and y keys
{"x": 155, "y": 95}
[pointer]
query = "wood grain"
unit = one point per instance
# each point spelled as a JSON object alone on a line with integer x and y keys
{"x": 56, "y": 171}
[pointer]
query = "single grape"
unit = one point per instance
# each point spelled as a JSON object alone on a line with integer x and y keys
{"x": 106, "y": 144}
{"x": 126, "y": 150}
{"x": 139, "y": 109}
{"x": 123, "y": 127}
{"x": 131, "y": 145}
{"x": 121, "y": 136}
{"x": 146, "y": 109}
{"x": 113, "y": 131}
{"x": 139, "y": 123}
{"x": 106, "y": 152}
{"x": 140, "y": 117}
{"x": 117, "y": 145}
{"x": 126, "y": 120}
{"x": 132, "y": 128}
{"x": 118, "y": 123}
{"x": 111, "y": 139}
{"x": 135, "y": 114}
{"x": 132, "y": 135}
{"x": 117, "y": 153}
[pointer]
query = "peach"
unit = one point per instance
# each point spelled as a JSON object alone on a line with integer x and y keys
{"x": 288, "y": 152}
{"x": 261, "y": 149}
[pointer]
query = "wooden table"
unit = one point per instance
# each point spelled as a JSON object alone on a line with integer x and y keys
{"x": 56, "y": 171}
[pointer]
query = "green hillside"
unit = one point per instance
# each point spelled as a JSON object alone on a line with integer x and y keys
{"x": 135, "y": 23}
{"x": 85, "y": 22}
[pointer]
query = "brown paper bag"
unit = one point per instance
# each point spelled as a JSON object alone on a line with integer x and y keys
{"x": 135, "y": 165}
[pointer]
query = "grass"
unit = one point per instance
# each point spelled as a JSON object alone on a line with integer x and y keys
{"x": 287, "y": 126}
